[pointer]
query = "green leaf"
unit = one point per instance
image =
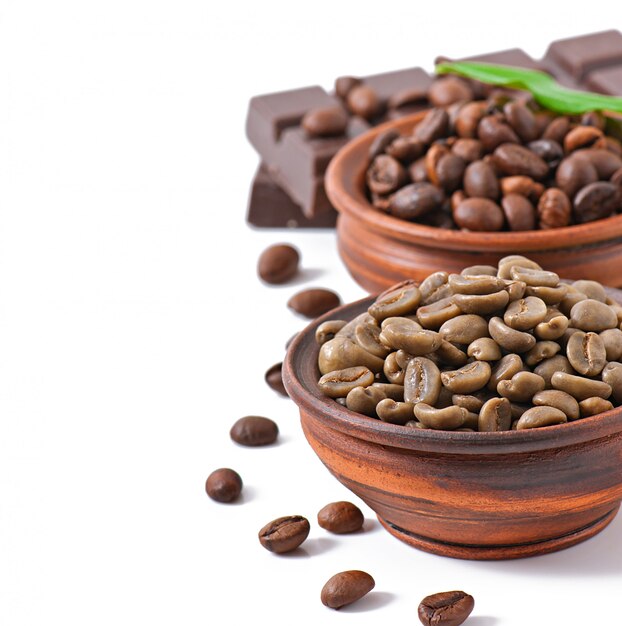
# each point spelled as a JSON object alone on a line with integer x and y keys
{"x": 545, "y": 90}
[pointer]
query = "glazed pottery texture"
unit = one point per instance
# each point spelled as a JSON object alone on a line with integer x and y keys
{"x": 380, "y": 250}
{"x": 471, "y": 495}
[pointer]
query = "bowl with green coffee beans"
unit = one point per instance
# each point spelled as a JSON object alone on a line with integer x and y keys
{"x": 478, "y": 414}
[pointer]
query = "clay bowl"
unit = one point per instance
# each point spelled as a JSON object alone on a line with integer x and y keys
{"x": 467, "y": 495}
{"x": 380, "y": 250}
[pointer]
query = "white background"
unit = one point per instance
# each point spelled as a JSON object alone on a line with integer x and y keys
{"x": 134, "y": 331}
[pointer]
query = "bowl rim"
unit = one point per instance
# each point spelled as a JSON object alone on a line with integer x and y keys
{"x": 344, "y": 183}
{"x": 302, "y": 388}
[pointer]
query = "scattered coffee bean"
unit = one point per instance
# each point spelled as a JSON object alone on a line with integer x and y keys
{"x": 448, "y": 608}
{"x": 341, "y": 517}
{"x": 284, "y": 534}
{"x": 312, "y": 303}
{"x": 254, "y": 430}
{"x": 345, "y": 588}
{"x": 328, "y": 122}
{"x": 363, "y": 100}
{"x": 278, "y": 263}
{"x": 223, "y": 485}
{"x": 274, "y": 379}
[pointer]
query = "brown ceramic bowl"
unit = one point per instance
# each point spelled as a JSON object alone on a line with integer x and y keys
{"x": 468, "y": 495}
{"x": 380, "y": 250}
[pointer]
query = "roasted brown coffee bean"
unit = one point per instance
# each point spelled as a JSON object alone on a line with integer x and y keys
{"x": 484, "y": 349}
{"x": 417, "y": 171}
{"x": 586, "y": 353}
{"x": 482, "y": 305}
{"x": 541, "y": 351}
{"x": 274, "y": 379}
{"x": 616, "y": 178}
{"x": 340, "y": 518}
{"x": 592, "y": 289}
{"x": 525, "y": 314}
{"x": 449, "y": 172}
{"x": 415, "y": 200}
{"x": 432, "y": 157}
{"x": 468, "y": 118}
{"x": 583, "y": 137}
{"x": 341, "y": 353}
{"x": 401, "y": 301}
{"x": 523, "y": 186}
{"x": 406, "y": 97}
{"x": 278, "y": 263}
{"x": 327, "y": 122}
{"x": 593, "y": 315}
{"x": 594, "y": 406}
{"x": 472, "y": 377}
{"x": 345, "y": 588}
{"x": 508, "y": 338}
{"x": 464, "y": 329}
{"x": 448, "y": 608}
{"x": 364, "y": 400}
{"x": 394, "y": 411}
{"x": 448, "y": 89}
{"x": 468, "y": 150}
{"x": 521, "y": 387}
{"x": 493, "y": 132}
{"x": 284, "y": 534}
{"x": 554, "y": 209}
{"x": 434, "y": 315}
{"x": 480, "y": 181}
{"x": 559, "y": 400}
{"x": 548, "y": 150}
{"x": 312, "y": 303}
{"x": 422, "y": 381}
{"x": 540, "y": 416}
{"x": 339, "y": 383}
{"x": 364, "y": 101}
{"x": 223, "y": 485}
{"x": 612, "y": 340}
{"x": 381, "y": 142}
{"x": 433, "y": 126}
{"x": 596, "y": 201}
{"x": 449, "y": 418}
{"x": 557, "y": 129}
{"x": 612, "y": 375}
{"x": 605, "y": 161}
{"x": 385, "y": 174}
{"x": 579, "y": 387}
{"x": 519, "y": 212}
{"x": 405, "y": 149}
{"x": 574, "y": 174}
{"x": 328, "y": 330}
{"x": 254, "y": 430}
{"x": 548, "y": 367}
{"x": 478, "y": 214}
{"x": 345, "y": 84}
{"x": 522, "y": 120}
{"x": 515, "y": 160}
{"x": 495, "y": 415}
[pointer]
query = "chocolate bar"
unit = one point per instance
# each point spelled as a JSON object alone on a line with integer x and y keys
{"x": 271, "y": 207}
{"x": 292, "y": 173}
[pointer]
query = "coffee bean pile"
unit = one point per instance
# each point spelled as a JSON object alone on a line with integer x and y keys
{"x": 489, "y": 349}
{"x": 498, "y": 164}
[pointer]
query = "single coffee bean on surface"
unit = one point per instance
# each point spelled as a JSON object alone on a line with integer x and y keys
{"x": 312, "y": 303}
{"x": 448, "y": 608}
{"x": 274, "y": 379}
{"x": 341, "y": 517}
{"x": 223, "y": 485}
{"x": 345, "y": 588}
{"x": 254, "y": 430}
{"x": 284, "y": 534}
{"x": 278, "y": 263}
{"x": 328, "y": 122}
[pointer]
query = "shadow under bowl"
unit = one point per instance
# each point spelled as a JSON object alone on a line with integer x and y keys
{"x": 380, "y": 250}
{"x": 468, "y": 495}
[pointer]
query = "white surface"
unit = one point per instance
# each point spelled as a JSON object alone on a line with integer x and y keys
{"x": 134, "y": 330}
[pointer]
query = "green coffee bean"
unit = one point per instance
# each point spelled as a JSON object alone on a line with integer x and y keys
{"x": 521, "y": 387}
{"x": 612, "y": 339}
{"x": 475, "y": 285}
{"x": 340, "y": 353}
{"x": 552, "y": 329}
{"x": 548, "y": 367}
{"x": 586, "y": 353}
{"x": 484, "y": 349}
{"x": 464, "y": 329}
{"x": 435, "y": 288}
{"x": 495, "y": 415}
{"x": 541, "y": 351}
{"x": 593, "y": 315}
{"x": 395, "y": 412}
{"x": 559, "y": 400}
{"x": 525, "y": 314}
{"x": 471, "y": 377}
{"x": 433, "y": 316}
{"x": 508, "y": 338}
{"x": 612, "y": 375}
{"x": 592, "y": 289}
{"x": 451, "y": 355}
{"x": 540, "y": 416}
{"x": 579, "y": 387}
{"x": 368, "y": 337}
{"x": 504, "y": 369}
{"x": 364, "y": 400}
{"x": 449, "y": 418}
{"x": 550, "y": 295}
{"x": 339, "y": 383}
{"x": 479, "y": 270}
{"x": 396, "y": 303}
{"x": 395, "y": 392}
{"x": 534, "y": 277}
{"x": 594, "y": 406}
{"x": 507, "y": 263}
{"x": 392, "y": 370}
{"x": 471, "y": 403}
{"x": 422, "y": 381}
{"x": 327, "y": 330}
{"x": 481, "y": 305}
{"x": 405, "y": 336}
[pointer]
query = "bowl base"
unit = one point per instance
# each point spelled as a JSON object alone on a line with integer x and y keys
{"x": 495, "y": 553}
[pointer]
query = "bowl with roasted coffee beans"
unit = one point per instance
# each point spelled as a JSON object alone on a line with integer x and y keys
{"x": 479, "y": 413}
{"x": 476, "y": 180}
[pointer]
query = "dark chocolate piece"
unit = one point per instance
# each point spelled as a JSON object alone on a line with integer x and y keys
{"x": 270, "y": 207}
{"x": 608, "y": 81}
{"x": 511, "y": 56}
